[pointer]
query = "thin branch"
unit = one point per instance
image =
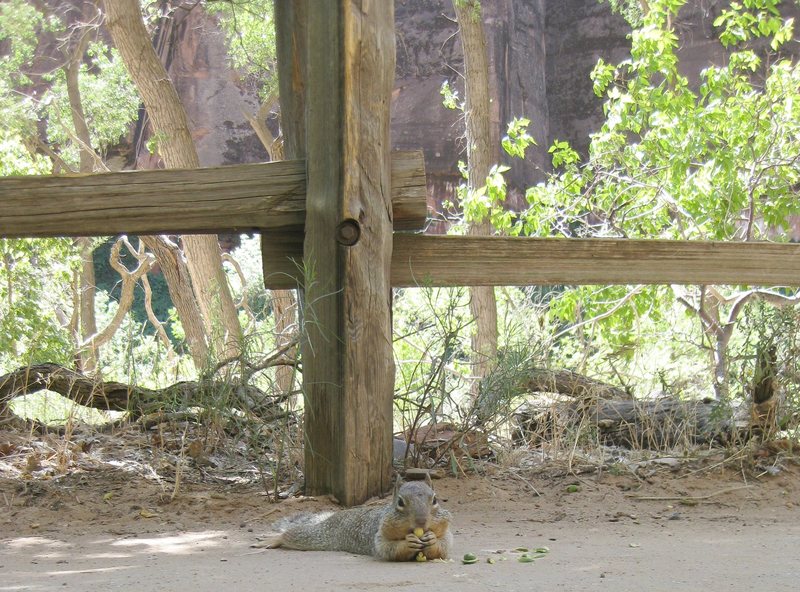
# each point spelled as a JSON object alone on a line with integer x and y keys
{"x": 151, "y": 316}
{"x": 76, "y": 307}
{"x": 620, "y": 303}
{"x": 59, "y": 164}
{"x": 129, "y": 280}
{"x": 709, "y": 322}
{"x": 227, "y": 257}
{"x": 277, "y": 358}
{"x": 268, "y": 140}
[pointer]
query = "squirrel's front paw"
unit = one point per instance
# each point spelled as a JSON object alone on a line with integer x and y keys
{"x": 414, "y": 542}
{"x": 429, "y": 539}
{"x": 434, "y": 549}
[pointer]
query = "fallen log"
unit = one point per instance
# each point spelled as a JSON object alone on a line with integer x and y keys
{"x": 567, "y": 382}
{"x": 70, "y": 384}
{"x": 136, "y": 400}
{"x": 664, "y": 423}
{"x": 565, "y": 403}
{"x": 573, "y": 402}
{"x": 655, "y": 424}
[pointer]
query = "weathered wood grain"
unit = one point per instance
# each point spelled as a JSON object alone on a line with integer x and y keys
{"x": 348, "y": 367}
{"x": 431, "y": 260}
{"x": 409, "y": 190}
{"x": 264, "y": 196}
{"x": 497, "y": 261}
{"x": 291, "y": 42}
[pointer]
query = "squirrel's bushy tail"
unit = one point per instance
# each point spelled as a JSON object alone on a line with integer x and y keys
{"x": 300, "y": 531}
{"x": 351, "y": 530}
{"x": 301, "y": 519}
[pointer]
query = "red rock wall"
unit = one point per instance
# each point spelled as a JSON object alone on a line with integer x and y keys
{"x": 540, "y": 51}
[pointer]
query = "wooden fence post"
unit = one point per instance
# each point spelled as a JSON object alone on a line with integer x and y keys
{"x": 348, "y": 367}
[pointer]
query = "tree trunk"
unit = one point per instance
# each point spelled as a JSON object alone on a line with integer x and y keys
{"x": 71, "y": 72}
{"x": 585, "y": 406}
{"x": 479, "y": 161}
{"x": 766, "y": 399}
{"x": 88, "y": 320}
{"x": 176, "y": 274}
{"x": 284, "y": 309}
{"x": 284, "y": 302}
{"x": 213, "y": 295}
{"x": 654, "y": 424}
{"x": 218, "y": 319}
{"x": 86, "y": 358}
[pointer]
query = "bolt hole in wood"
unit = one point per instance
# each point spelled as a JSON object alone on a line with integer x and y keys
{"x": 348, "y": 232}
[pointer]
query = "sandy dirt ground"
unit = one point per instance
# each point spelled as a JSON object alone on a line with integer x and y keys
{"x": 667, "y": 525}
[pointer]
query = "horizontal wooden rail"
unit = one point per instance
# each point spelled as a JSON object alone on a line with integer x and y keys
{"x": 497, "y": 261}
{"x": 220, "y": 199}
{"x": 429, "y": 260}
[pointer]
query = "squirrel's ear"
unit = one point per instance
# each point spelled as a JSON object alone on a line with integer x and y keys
{"x": 428, "y": 481}
{"x": 397, "y": 482}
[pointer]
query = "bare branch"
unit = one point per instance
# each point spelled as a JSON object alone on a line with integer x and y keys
{"x": 774, "y": 298}
{"x": 619, "y": 304}
{"x": 709, "y": 322}
{"x": 227, "y": 257}
{"x": 151, "y": 316}
{"x": 272, "y": 144}
{"x": 129, "y": 280}
{"x": 277, "y": 358}
{"x": 59, "y": 164}
{"x": 738, "y": 300}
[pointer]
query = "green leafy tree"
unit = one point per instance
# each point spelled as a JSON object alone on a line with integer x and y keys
{"x": 716, "y": 162}
{"x": 248, "y": 25}
{"x": 632, "y": 10}
{"x": 45, "y": 111}
{"x": 109, "y": 100}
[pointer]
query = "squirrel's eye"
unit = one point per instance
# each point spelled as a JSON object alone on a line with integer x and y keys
{"x": 400, "y": 502}
{"x": 435, "y": 501}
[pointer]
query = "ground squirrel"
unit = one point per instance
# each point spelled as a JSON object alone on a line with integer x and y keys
{"x": 413, "y": 524}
